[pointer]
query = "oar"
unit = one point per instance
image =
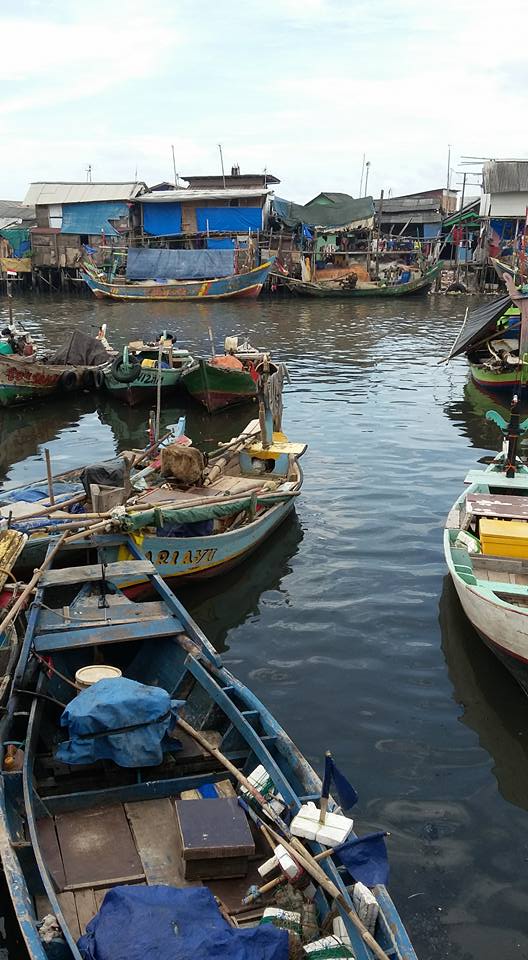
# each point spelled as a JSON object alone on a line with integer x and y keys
{"x": 17, "y": 606}
{"x": 296, "y": 849}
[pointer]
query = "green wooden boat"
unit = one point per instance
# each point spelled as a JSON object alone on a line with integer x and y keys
{"x": 227, "y": 379}
{"x": 333, "y": 288}
{"x": 133, "y": 377}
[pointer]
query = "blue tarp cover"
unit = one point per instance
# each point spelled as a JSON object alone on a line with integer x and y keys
{"x": 169, "y": 923}
{"x": 113, "y": 704}
{"x": 92, "y": 218}
{"x": 228, "y": 218}
{"x": 162, "y": 219}
{"x": 145, "y": 264}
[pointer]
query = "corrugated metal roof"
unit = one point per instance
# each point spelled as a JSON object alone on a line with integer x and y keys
{"x": 408, "y": 204}
{"x": 176, "y": 196}
{"x": 15, "y": 210}
{"x": 57, "y": 193}
{"x": 505, "y": 176}
{"x": 412, "y": 216}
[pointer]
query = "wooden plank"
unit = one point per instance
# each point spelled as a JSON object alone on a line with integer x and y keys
{"x": 99, "y": 896}
{"x": 51, "y": 851}
{"x": 492, "y": 479}
{"x": 157, "y": 839}
{"x": 497, "y": 505}
{"x": 119, "y": 633}
{"x": 86, "y": 906}
{"x": 97, "y": 847}
{"x": 42, "y": 906}
{"x": 69, "y": 911}
{"x": 92, "y": 571}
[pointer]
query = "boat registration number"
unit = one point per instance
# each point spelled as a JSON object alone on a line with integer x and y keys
{"x": 192, "y": 558}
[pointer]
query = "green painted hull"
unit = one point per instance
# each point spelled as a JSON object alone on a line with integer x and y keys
{"x": 218, "y": 387}
{"x": 493, "y": 380}
{"x": 325, "y": 290}
{"x": 144, "y": 388}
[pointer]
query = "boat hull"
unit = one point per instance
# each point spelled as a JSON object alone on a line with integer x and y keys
{"x": 413, "y": 288}
{"x": 22, "y": 380}
{"x": 144, "y": 388}
{"x": 493, "y": 381}
{"x": 218, "y": 387}
{"x": 503, "y": 630}
{"x": 246, "y": 285}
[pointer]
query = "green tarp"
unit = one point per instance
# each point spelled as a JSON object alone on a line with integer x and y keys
{"x": 341, "y": 213}
{"x": 159, "y": 516}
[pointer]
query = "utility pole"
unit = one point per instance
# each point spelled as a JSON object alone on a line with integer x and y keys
{"x": 367, "y": 168}
{"x": 222, "y": 163}
{"x": 174, "y": 168}
{"x": 448, "y": 178}
{"x": 89, "y": 173}
{"x": 361, "y": 181}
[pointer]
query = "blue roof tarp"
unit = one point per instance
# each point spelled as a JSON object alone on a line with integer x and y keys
{"x": 93, "y": 218}
{"x": 171, "y": 923}
{"x": 147, "y": 713}
{"x": 145, "y": 264}
{"x": 232, "y": 219}
{"x": 162, "y": 219}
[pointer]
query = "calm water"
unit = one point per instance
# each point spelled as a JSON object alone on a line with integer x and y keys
{"x": 346, "y": 625}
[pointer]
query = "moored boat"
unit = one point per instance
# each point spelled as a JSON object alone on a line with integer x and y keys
{"x": 346, "y": 290}
{"x": 135, "y": 792}
{"x": 143, "y": 368}
{"x": 248, "y": 284}
{"x": 225, "y": 379}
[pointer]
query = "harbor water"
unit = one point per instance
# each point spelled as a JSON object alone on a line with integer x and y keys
{"x": 345, "y": 624}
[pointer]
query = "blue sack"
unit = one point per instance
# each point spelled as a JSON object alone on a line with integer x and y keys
{"x": 148, "y": 713}
{"x": 169, "y": 923}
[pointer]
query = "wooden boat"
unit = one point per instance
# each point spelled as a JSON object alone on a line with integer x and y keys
{"x": 189, "y": 532}
{"x": 486, "y": 549}
{"x": 79, "y": 838}
{"x": 227, "y": 379}
{"x": 420, "y": 285}
{"x": 222, "y": 288}
{"x": 24, "y": 378}
{"x": 133, "y": 377}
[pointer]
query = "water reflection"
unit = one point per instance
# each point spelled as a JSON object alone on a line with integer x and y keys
{"x": 223, "y": 603}
{"x": 493, "y": 704}
{"x": 469, "y": 413}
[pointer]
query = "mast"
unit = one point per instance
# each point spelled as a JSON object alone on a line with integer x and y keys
{"x": 519, "y": 298}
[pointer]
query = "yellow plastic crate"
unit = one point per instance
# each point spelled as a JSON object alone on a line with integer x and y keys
{"x": 504, "y": 538}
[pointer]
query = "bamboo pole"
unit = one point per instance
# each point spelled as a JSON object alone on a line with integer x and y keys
{"x": 296, "y": 849}
{"x": 50, "y": 477}
{"x": 158, "y": 392}
{"x": 17, "y": 606}
{"x": 55, "y": 508}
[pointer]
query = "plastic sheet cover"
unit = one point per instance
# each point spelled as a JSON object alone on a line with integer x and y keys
{"x": 148, "y": 713}
{"x": 229, "y": 218}
{"x": 146, "y": 264}
{"x": 139, "y": 922}
{"x": 81, "y": 350}
{"x": 479, "y": 323}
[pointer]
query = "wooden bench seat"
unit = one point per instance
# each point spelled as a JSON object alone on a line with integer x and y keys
{"x": 497, "y": 505}
{"x": 129, "y": 569}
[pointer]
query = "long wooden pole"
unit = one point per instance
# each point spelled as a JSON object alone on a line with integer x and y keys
{"x": 297, "y": 850}
{"x": 50, "y": 477}
{"x": 17, "y": 606}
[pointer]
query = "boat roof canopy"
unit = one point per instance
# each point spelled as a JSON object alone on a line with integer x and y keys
{"x": 479, "y": 323}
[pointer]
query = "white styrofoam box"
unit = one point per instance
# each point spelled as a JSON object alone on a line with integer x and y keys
{"x": 367, "y": 907}
{"x": 288, "y": 865}
{"x": 327, "y": 948}
{"x": 336, "y": 827}
{"x": 340, "y": 930}
{"x": 268, "y": 866}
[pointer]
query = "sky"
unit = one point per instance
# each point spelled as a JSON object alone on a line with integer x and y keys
{"x": 302, "y": 88}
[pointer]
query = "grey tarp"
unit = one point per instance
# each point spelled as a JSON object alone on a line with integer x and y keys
{"x": 479, "y": 323}
{"x": 151, "y": 264}
{"x": 81, "y": 350}
{"x": 346, "y": 212}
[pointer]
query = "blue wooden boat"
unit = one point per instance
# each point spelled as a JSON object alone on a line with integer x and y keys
{"x": 74, "y": 836}
{"x": 221, "y": 288}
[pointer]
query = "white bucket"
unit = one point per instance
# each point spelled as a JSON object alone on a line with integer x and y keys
{"x": 87, "y": 676}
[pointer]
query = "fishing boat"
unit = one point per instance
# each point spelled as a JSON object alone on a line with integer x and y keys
{"x": 229, "y": 378}
{"x": 245, "y": 285}
{"x": 194, "y": 521}
{"x": 78, "y": 365}
{"x": 486, "y": 537}
{"x": 140, "y": 797}
{"x": 346, "y": 290}
{"x": 143, "y": 368}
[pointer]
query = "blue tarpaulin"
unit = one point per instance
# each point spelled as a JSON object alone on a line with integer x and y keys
{"x": 228, "y": 218}
{"x": 93, "y": 218}
{"x": 162, "y": 219}
{"x": 144, "y": 264}
{"x": 147, "y": 712}
{"x": 169, "y": 923}
{"x": 366, "y": 858}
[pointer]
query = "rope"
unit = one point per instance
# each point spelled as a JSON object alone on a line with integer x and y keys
{"x": 48, "y": 666}
{"x": 273, "y": 389}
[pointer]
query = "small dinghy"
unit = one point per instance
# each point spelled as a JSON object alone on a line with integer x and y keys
{"x": 146, "y": 795}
